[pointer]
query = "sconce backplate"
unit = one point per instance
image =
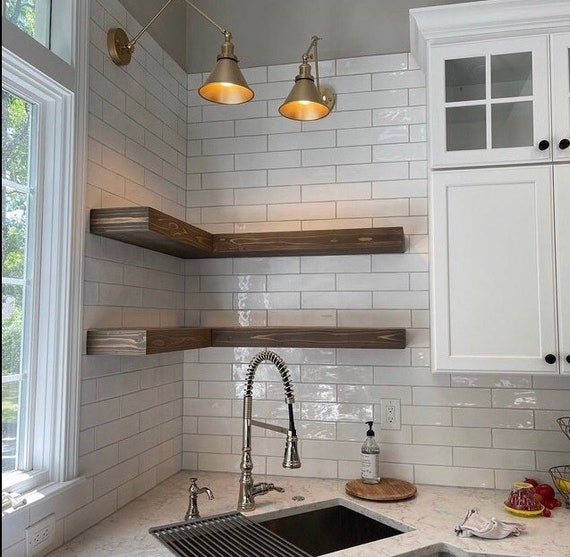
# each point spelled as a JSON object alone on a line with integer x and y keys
{"x": 118, "y": 46}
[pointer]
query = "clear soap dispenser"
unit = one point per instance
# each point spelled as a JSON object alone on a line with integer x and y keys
{"x": 370, "y": 458}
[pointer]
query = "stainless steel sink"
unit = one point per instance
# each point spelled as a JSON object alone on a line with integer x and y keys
{"x": 324, "y": 530}
{"x": 441, "y": 550}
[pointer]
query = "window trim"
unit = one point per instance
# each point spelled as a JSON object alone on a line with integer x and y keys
{"x": 66, "y": 107}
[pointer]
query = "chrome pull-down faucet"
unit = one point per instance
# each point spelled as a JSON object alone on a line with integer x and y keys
{"x": 248, "y": 490}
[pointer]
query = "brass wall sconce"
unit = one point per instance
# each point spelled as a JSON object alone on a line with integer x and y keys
{"x": 225, "y": 85}
{"x": 308, "y": 100}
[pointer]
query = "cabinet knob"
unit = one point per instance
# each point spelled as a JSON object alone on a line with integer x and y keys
{"x": 550, "y": 359}
{"x": 544, "y": 144}
{"x": 568, "y": 358}
{"x": 564, "y": 143}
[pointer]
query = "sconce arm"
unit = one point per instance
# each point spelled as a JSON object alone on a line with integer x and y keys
{"x": 224, "y": 32}
{"x": 134, "y": 40}
{"x": 307, "y": 56}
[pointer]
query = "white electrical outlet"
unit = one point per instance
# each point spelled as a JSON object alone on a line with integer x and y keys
{"x": 40, "y": 536}
{"x": 390, "y": 413}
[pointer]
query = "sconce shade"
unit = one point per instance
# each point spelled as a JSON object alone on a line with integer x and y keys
{"x": 305, "y": 101}
{"x": 226, "y": 84}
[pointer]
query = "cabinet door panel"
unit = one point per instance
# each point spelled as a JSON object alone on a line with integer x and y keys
{"x": 493, "y": 299}
{"x": 560, "y": 48}
{"x": 489, "y": 102}
{"x": 562, "y": 207}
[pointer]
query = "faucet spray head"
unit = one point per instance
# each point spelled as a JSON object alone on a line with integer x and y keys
{"x": 291, "y": 457}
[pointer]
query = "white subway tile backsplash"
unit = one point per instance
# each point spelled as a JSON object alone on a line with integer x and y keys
{"x": 454, "y": 436}
{"x": 329, "y": 412}
{"x": 371, "y": 64}
{"x": 338, "y": 300}
{"x": 302, "y": 176}
{"x": 460, "y": 397}
{"x": 400, "y": 115}
{"x": 399, "y": 152}
{"x": 426, "y": 415}
{"x": 373, "y": 393}
{"x": 302, "y": 140}
{"x": 536, "y": 440}
{"x": 303, "y": 283}
{"x": 373, "y": 208}
{"x": 454, "y": 476}
{"x": 373, "y": 171}
{"x": 255, "y": 161}
{"x": 492, "y": 418}
{"x": 371, "y": 100}
{"x": 352, "y": 375}
{"x": 529, "y": 398}
{"x": 398, "y": 80}
{"x": 494, "y": 458}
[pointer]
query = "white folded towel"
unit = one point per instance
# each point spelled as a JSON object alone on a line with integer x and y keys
{"x": 475, "y": 525}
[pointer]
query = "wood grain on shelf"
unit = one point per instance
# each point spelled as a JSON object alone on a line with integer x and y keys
{"x": 132, "y": 342}
{"x": 309, "y": 337}
{"x": 310, "y": 242}
{"x": 149, "y": 228}
{"x": 152, "y": 229}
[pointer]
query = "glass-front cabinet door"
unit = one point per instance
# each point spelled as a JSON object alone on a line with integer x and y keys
{"x": 560, "y": 70}
{"x": 489, "y": 102}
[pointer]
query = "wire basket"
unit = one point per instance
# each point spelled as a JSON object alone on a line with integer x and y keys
{"x": 561, "y": 478}
{"x": 564, "y": 424}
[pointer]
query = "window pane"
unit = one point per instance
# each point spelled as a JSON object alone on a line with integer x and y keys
{"x": 10, "y": 412}
{"x": 14, "y": 232}
{"x": 12, "y": 327}
{"x": 18, "y": 119}
{"x": 31, "y": 16}
{"x": 16, "y": 125}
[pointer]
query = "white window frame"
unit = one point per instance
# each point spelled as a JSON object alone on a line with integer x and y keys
{"x": 57, "y": 317}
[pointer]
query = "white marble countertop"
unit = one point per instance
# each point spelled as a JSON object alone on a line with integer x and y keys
{"x": 429, "y": 518}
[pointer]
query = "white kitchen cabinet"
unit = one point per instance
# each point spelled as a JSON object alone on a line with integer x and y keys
{"x": 562, "y": 219}
{"x": 500, "y": 241}
{"x": 560, "y": 70}
{"x": 498, "y": 80}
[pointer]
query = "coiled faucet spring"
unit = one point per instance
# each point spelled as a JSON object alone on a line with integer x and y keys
{"x": 248, "y": 490}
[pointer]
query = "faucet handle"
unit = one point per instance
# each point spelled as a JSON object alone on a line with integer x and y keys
{"x": 263, "y": 487}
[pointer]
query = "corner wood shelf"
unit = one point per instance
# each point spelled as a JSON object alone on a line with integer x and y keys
{"x": 149, "y": 228}
{"x": 132, "y": 342}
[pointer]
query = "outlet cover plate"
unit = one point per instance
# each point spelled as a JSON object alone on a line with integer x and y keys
{"x": 390, "y": 408}
{"x": 40, "y": 536}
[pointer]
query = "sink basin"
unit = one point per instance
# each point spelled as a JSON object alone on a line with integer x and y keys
{"x": 441, "y": 550}
{"x": 328, "y": 529}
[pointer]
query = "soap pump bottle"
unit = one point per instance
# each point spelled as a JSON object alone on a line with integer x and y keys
{"x": 370, "y": 458}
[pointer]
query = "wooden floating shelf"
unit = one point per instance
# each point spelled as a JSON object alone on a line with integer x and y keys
{"x": 148, "y": 228}
{"x": 132, "y": 342}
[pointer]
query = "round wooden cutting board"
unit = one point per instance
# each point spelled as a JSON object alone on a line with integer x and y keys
{"x": 389, "y": 489}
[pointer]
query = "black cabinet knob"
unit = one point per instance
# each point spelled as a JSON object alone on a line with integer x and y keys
{"x": 564, "y": 143}
{"x": 544, "y": 144}
{"x": 568, "y": 358}
{"x": 550, "y": 359}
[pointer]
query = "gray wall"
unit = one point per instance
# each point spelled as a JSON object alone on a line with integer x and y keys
{"x": 268, "y": 32}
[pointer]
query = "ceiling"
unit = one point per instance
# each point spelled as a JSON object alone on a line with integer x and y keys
{"x": 269, "y": 32}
